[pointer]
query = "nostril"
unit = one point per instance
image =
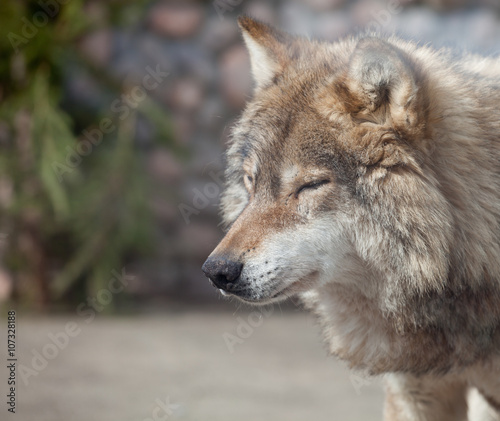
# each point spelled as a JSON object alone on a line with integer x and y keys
{"x": 222, "y": 271}
{"x": 233, "y": 271}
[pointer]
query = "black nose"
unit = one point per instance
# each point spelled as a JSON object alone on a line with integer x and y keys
{"x": 222, "y": 271}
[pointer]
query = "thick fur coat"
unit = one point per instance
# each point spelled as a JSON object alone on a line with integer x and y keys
{"x": 364, "y": 177}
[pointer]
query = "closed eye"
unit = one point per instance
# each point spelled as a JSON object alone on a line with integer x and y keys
{"x": 313, "y": 185}
{"x": 248, "y": 181}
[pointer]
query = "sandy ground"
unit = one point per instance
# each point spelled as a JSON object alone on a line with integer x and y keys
{"x": 179, "y": 366}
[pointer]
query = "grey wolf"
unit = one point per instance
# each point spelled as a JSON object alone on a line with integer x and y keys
{"x": 364, "y": 178}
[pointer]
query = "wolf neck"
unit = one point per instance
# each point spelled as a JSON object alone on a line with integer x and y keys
{"x": 357, "y": 330}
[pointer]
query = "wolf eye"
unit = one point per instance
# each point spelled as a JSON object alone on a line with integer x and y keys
{"x": 312, "y": 185}
{"x": 248, "y": 180}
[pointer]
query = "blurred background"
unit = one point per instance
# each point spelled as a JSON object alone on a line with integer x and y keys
{"x": 114, "y": 116}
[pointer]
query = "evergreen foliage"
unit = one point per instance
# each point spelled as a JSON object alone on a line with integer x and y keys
{"x": 70, "y": 216}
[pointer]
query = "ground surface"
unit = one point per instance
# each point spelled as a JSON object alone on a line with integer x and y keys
{"x": 127, "y": 368}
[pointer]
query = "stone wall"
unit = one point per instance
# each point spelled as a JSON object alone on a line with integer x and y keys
{"x": 208, "y": 82}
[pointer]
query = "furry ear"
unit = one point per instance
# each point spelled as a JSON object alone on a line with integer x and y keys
{"x": 383, "y": 82}
{"x": 267, "y": 47}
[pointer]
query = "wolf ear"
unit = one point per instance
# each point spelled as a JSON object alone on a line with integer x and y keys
{"x": 383, "y": 82}
{"x": 267, "y": 47}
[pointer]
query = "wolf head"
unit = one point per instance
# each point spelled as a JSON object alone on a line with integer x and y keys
{"x": 326, "y": 174}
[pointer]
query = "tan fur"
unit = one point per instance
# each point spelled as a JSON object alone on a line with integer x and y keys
{"x": 364, "y": 176}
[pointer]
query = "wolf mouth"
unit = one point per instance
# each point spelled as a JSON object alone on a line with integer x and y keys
{"x": 297, "y": 286}
{"x": 246, "y": 295}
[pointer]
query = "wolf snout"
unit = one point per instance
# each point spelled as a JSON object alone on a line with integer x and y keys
{"x": 222, "y": 271}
